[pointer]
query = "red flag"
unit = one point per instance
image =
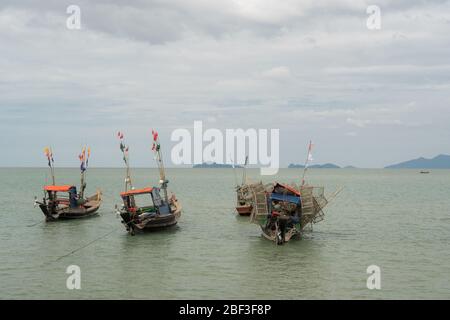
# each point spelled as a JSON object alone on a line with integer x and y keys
{"x": 155, "y": 135}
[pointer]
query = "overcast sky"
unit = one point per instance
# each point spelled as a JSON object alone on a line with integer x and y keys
{"x": 310, "y": 68}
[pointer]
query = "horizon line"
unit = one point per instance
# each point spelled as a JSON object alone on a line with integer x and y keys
{"x": 230, "y": 168}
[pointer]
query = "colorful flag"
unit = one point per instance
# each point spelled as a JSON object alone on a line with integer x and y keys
{"x": 49, "y": 155}
{"x": 87, "y": 159}
{"x": 83, "y": 159}
{"x": 155, "y": 135}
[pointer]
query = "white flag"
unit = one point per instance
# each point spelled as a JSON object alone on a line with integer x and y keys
{"x": 310, "y": 157}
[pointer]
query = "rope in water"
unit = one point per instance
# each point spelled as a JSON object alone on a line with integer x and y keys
{"x": 35, "y": 224}
{"x": 86, "y": 245}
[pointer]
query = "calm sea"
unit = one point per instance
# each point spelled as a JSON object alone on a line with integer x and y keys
{"x": 398, "y": 220}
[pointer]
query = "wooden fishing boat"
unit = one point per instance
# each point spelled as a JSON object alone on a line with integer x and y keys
{"x": 57, "y": 207}
{"x": 244, "y": 210}
{"x": 154, "y": 213}
{"x": 146, "y": 209}
{"x": 72, "y": 205}
{"x": 243, "y": 194}
{"x": 244, "y": 204}
{"x": 284, "y": 211}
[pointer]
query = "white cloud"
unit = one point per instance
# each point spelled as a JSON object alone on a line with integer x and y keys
{"x": 277, "y": 73}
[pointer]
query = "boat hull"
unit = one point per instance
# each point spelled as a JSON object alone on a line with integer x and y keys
{"x": 158, "y": 223}
{"x": 88, "y": 209}
{"x": 69, "y": 214}
{"x": 154, "y": 223}
{"x": 244, "y": 210}
{"x": 273, "y": 235}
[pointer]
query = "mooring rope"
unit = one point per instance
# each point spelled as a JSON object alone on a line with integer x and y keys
{"x": 35, "y": 224}
{"x": 86, "y": 245}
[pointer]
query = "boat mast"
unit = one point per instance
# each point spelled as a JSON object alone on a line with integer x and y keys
{"x": 51, "y": 162}
{"x": 244, "y": 173}
{"x": 234, "y": 171}
{"x": 82, "y": 157}
{"x": 126, "y": 159}
{"x": 83, "y": 167}
{"x": 159, "y": 160}
{"x": 308, "y": 159}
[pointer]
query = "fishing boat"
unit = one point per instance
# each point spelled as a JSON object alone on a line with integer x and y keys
{"x": 243, "y": 194}
{"x": 62, "y": 201}
{"x": 284, "y": 211}
{"x": 149, "y": 208}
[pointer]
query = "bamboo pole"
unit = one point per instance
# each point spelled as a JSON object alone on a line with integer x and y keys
{"x": 52, "y": 168}
{"x": 244, "y": 173}
{"x": 305, "y": 168}
{"x": 234, "y": 171}
{"x": 83, "y": 169}
{"x": 128, "y": 181}
{"x": 126, "y": 159}
{"x": 162, "y": 173}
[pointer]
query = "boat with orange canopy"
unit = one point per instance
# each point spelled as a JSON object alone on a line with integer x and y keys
{"x": 62, "y": 201}
{"x": 147, "y": 209}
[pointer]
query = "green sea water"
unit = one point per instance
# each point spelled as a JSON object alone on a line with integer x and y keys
{"x": 398, "y": 220}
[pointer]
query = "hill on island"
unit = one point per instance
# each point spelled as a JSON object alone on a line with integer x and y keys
{"x": 215, "y": 165}
{"x": 441, "y": 161}
{"x": 316, "y": 166}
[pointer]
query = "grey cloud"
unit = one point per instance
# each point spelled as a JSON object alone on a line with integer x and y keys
{"x": 305, "y": 67}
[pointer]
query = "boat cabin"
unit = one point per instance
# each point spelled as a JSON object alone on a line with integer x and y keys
{"x": 285, "y": 193}
{"x": 71, "y": 200}
{"x": 285, "y": 200}
{"x": 147, "y": 201}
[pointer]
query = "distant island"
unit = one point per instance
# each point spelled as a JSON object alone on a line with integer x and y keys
{"x": 315, "y": 166}
{"x": 214, "y": 165}
{"x": 441, "y": 161}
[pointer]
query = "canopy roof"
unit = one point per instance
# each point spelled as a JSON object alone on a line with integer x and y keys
{"x": 296, "y": 192}
{"x": 136, "y": 192}
{"x": 285, "y": 198}
{"x": 65, "y": 188}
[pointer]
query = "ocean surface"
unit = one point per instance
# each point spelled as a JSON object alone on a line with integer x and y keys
{"x": 398, "y": 220}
